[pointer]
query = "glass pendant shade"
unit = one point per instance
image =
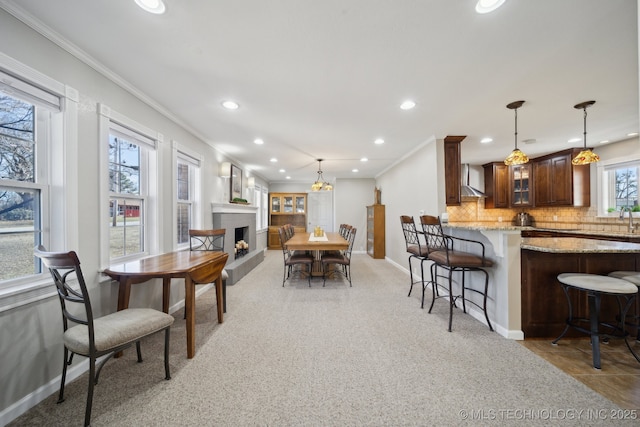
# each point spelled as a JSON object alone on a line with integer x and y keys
{"x": 585, "y": 156}
{"x": 516, "y": 157}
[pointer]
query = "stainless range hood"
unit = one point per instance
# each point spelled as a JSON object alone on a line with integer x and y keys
{"x": 466, "y": 190}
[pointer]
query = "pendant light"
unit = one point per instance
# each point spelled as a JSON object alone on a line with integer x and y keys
{"x": 516, "y": 157}
{"x": 320, "y": 183}
{"x": 586, "y": 156}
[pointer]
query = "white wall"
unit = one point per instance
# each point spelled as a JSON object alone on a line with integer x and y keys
{"x": 414, "y": 184}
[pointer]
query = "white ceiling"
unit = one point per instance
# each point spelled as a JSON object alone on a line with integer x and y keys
{"x": 324, "y": 79}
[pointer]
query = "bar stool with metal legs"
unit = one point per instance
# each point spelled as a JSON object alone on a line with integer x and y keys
{"x": 633, "y": 277}
{"x": 596, "y": 286}
{"x": 416, "y": 248}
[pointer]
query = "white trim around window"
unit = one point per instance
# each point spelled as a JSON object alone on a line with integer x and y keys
{"x": 183, "y": 154}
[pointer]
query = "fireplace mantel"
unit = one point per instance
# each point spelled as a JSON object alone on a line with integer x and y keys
{"x": 232, "y": 208}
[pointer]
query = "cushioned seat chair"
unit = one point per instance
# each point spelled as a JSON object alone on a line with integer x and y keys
{"x": 337, "y": 258}
{"x": 211, "y": 240}
{"x": 442, "y": 251}
{"x": 96, "y": 337}
{"x": 416, "y": 248}
{"x": 291, "y": 259}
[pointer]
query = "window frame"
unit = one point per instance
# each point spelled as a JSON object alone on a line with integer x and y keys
{"x": 149, "y": 141}
{"x": 57, "y": 185}
{"x": 604, "y": 167}
{"x": 183, "y": 154}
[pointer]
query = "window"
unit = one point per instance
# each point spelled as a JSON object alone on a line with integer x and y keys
{"x": 619, "y": 185}
{"x": 265, "y": 208}
{"x": 131, "y": 188}
{"x": 33, "y": 193}
{"x": 187, "y": 194}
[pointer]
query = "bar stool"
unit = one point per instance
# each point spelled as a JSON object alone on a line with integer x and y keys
{"x": 633, "y": 277}
{"x": 595, "y": 286}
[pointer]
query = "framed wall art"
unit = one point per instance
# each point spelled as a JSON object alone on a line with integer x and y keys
{"x": 236, "y": 183}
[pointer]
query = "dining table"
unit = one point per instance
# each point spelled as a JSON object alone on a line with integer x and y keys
{"x": 329, "y": 241}
{"x": 195, "y": 267}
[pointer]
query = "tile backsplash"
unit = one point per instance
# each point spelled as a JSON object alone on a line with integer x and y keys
{"x": 473, "y": 210}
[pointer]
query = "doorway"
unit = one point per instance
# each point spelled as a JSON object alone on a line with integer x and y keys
{"x": 320, "y": 210}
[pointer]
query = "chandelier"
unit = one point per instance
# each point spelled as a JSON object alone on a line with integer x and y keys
{"x": 516, "y": 157}
{"x": 320, "y": 183}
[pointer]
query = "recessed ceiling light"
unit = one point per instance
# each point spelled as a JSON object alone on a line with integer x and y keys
{"x": 364, "y": 159}
{"x": 288, "y": 177}
{"x": 152, "y": 6}
{"x": 379, "y": 141}
{"x": 258, "y": 141}
{"x": 632, "y": 134}
{"x": 230, "y": 105}
{"x": 574, "y": 140}
{"x": 604, "y": 141}
{"x": 282, "y": 171}
{"x": 486, "y": 6}
{"x": 529, "y": 141}
{"x": 273, "y": 160}
{"x": 355, "y": 170}
{"x": 486, "y": 140}
{"x": 407, "y": 105}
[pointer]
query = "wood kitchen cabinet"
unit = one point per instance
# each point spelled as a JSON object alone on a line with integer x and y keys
{"x": 452, "y": 169}
{"x": 286, "y": 208}
{"x": 496, "y": 185}
{"x": 559, "y": 183}
{"x": 375, "y": 231}
{"x": 521, "y": 185}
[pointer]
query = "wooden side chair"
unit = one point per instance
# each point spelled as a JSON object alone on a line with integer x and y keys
{"x": 211, "y": 240}
{"x": 95, "y": 337}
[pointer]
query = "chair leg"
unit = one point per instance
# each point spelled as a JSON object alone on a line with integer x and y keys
{"x": 324, "y": 274}
{"x": 309, "y": 275}
{"x": 434, "y": 283}
{"x": 224, "y": 296}
{"x": 167, "y": 373}
{"x": 484, "y": 302}
{"x": 347, "y": 268}
{"x": 452, "y": 300}
{"x": 139, "y": 351}
{"x": 410, "y": 276}
{"x": 65, "y": 362}
{"x": 92, "y": 371}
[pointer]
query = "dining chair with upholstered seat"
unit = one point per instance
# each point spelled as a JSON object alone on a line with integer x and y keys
{"x": 342, "y": 259}
{"x": 94, "y": 337}
{"x": 292, "y": 259}
{"x": 442, "y": 250}
{"x": 415, "y": 247}
{"x": 210, "y": 240}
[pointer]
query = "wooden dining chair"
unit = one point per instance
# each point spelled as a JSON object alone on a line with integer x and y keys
{"x": 210, "y": 240}
{"x": 94, "y": 337}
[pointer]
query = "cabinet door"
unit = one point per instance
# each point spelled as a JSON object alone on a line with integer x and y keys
{"x": 276, "y": 206}
{"x": 287, "y": 204}
{"x": 452, "y": 178}
{"x": 542, "y": 178}
{"x": 300, "y": 204}
{"x": 562, "y": 180}
{"x": 521, "y": 180}
{"x": 496, "y": 185}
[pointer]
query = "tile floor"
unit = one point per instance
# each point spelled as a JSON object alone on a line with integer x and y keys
{"x": 618, "y": 379}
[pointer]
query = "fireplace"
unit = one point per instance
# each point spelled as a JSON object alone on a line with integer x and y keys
{"x": 239, "y": 221}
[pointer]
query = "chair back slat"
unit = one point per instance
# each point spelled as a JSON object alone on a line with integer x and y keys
{"x": 207, "y": 240}
{"x": 435, "y": 238}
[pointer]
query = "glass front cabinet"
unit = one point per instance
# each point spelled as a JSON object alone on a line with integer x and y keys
{"x": 521, "y": 192}
{"x": 286, "y": 208}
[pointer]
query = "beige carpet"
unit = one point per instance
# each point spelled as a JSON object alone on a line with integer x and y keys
{"x": 333, "y": 356}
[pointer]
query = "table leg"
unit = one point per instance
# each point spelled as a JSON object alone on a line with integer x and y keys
{"x": 166, "y": 292}
{"x": 124, "y": 292}
{"x": 219, "y": 299}
{"x": 594, "y": 309}
{"x": 189, "y": 307}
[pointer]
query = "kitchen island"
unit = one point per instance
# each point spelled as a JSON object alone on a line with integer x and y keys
{"x": 525, "y": 299}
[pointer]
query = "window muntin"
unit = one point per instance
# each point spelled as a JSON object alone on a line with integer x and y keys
{"x": 23, "y": 142}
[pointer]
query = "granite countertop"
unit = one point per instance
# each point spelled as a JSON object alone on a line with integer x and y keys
{"x": 508, "y": 226}
{"x": 577, "y": 245}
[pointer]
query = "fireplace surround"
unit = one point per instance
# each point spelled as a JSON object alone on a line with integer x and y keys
{"x": 231, "y": 217}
